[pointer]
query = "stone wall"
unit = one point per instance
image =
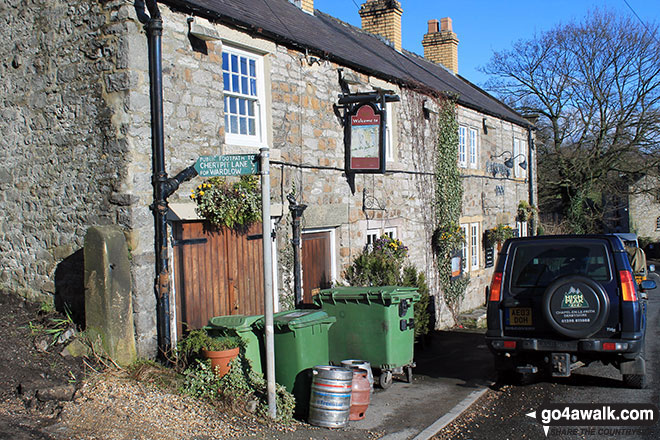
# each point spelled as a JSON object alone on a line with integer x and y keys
{"x": 62, "y": 159}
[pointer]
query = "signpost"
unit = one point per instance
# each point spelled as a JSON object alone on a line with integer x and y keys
{"x": 227, "y": 165}
{"x": 241, "y": 165}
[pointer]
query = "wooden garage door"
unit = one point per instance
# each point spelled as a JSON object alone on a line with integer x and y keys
{"x": 217, "y": 272}
{"x": 316, "y": 263}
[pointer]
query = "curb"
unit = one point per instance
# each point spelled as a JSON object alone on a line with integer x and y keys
{"x": 451, "y": 415}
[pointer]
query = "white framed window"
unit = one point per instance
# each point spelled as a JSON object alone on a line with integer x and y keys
{"x": 522, "y": 229}
{"x": 474, "y": 246}
{"x": 473, "y": 148}
{"x": 389, "y": 132}
{"x": 372, "y": 235}
{"x": 244, "y": 93}
{"x": 464, "y": 247}
{"x": 390, "y": 232}
{"x": 519, "y": 157}
{"x": 462, "y": 146}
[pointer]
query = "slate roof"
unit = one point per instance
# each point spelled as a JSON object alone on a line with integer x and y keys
{"x": 322, "y": 34}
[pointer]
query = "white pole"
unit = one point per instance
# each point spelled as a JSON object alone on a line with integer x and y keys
{"x": 268, "y": 281}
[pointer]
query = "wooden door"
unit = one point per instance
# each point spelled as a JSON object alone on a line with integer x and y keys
{"x": 316, "y": 263}
{"x": 216, "y": 272}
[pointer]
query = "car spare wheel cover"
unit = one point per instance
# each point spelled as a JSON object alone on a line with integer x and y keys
{"x": 576, "y": 306}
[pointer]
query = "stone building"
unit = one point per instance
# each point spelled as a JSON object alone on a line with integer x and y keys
{"x": 237, "y": 76}
{"x": 635, "y": 209}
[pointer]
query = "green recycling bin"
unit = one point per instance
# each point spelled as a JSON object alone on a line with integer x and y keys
{"x": 374, "y": 324}
{"x": 301, "y": 343}
{"x": 245, "y": 327}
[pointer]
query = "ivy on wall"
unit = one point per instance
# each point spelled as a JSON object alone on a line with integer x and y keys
{"x": 448, "y": 235}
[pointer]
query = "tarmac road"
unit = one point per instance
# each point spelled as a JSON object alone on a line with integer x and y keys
{"x": 452, "y": 371}
{"x": 502, "y": 412}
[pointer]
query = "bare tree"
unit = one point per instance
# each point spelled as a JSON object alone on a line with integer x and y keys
{"x": 596, "y": 87}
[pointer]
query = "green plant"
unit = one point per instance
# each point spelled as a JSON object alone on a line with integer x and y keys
{"x": 379, "y": 264}
{"x": 55, "y": 327}
{"x": 448, "y": 204}
{"x": 235, "y": 206}
{"x": 527, "y": 212}
{"x": 243, "y": 385}
{"x": 447, "y": 238}
{"x": 382, "y": 264}
{"x": 200, "y": 380}
{"x": 499, "y": 233}
{"x": 422, "y": 312}
{"x": 190, "y": 347}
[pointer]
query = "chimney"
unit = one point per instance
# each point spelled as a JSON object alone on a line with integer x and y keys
{"x": 305, "y": 5}
{"x": 441, "y": 45}
{"x": 383, "y": 17}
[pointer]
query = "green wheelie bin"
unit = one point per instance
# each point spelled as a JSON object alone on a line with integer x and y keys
{"x": 247, "y": 329}
{"x": 375, "y": 324}
{"x": 301, "y": 343}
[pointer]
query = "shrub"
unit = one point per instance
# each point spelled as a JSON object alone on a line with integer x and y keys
{"x": 382, "y": 264}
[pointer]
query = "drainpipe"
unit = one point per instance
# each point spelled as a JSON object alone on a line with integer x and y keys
{"x": 530, "y": 176}
{"x": 296, "y": 213}
{"x": 163, "y": 186}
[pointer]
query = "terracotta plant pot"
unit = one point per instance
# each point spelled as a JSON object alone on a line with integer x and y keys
{"x": 220, "y": 360}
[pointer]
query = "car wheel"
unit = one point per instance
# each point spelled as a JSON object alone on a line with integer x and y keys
{"x": 576, "y": 306}
{"x": 636, "y": 381}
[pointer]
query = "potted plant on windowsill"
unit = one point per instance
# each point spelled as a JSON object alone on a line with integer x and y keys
{"x": 219, "y": 350}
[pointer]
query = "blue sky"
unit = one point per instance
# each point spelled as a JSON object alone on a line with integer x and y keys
{"x": 485, "y": 26}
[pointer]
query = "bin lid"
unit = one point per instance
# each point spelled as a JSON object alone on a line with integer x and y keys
{"x": 235, "y": 322}
{"x": 391, "y": 294}
{"x": 295, "y": 319}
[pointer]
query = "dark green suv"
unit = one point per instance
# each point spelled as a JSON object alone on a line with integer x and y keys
{"x": 560, "y": 302}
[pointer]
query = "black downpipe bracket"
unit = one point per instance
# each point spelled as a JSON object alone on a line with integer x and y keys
{"x": 163, "y": 187}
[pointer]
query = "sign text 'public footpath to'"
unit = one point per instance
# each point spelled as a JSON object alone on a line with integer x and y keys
{"x": 227, "y": 165}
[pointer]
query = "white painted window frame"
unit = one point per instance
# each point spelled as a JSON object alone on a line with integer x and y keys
{"x": 389, "y": 132}
{"x": 462, "y": 146}
{"x": 464, "y": 247}
{"x": 259, "y": 139}
{"x": 473, "y": 145}
{"x": 474, "y": 246}
{"x": 518, "y": 149}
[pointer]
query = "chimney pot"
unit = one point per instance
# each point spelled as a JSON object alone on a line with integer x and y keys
{"x": 445, "y": 24}
{"x": 433, "y": 26}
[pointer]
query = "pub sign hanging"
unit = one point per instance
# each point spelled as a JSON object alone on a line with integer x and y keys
{"x": 365, "y": 149}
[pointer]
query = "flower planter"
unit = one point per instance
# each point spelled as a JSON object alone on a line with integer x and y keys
{"x": 220, "y": 360}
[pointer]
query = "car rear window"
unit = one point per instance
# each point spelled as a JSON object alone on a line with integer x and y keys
{"x": 537, "y": 264}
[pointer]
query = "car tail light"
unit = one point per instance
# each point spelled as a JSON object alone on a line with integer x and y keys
{"x": 627, "y": 286}
{"x": 615, "y": 346}
{"x": 496, "y": 287}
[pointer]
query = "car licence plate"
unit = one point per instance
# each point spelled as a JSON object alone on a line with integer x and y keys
{"x": 521, "y": 316}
